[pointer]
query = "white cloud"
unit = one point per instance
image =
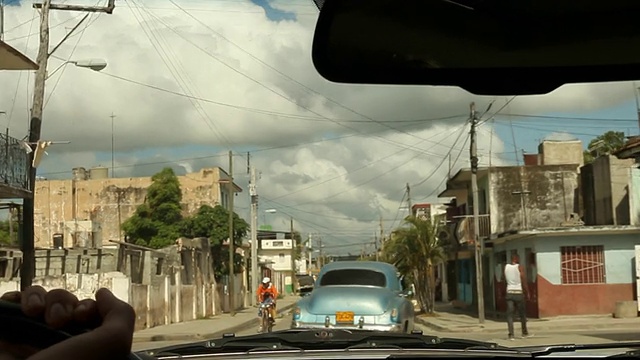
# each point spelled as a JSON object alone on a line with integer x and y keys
{"x": 560, "y": 136}
{"x": 330, "y": 183}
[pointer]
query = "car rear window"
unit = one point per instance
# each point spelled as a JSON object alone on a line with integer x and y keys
{"x": 361, "y": 277}
{"x": 305, "y": 280}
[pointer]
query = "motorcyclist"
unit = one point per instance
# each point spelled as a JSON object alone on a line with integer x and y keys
{"x": 267, "y": 293}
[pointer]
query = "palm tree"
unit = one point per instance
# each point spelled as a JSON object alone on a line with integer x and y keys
{"x": 415, "y": 250}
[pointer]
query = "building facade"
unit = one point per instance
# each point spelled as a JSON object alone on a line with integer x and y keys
{"x": 89, "y": 209}
{"x": 571, "y": 226}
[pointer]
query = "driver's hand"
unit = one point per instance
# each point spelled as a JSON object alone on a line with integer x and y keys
{"x": 111, "y": 340}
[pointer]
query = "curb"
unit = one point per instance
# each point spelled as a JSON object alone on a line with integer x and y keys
{"x": 531, "y": 326}
{"x": 215, "y": 334}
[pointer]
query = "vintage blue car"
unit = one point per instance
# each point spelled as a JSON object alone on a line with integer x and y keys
{"x": 364, "y": 295}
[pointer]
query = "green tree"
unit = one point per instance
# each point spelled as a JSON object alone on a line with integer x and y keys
{"x": 6, "y": 227}
{"x": 5, "y": 239}
{"x": 603, "y": 144}
{"x": 297, "y": 238}
{"x": 415, "y": 250}
{"x": 157, "y": 222}
{"x": 213, "y": 223}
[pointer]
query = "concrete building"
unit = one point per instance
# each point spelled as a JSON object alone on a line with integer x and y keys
{"x": 607, "y": 186}
{"x": 12, "y": 59}
{"x": 14, "y": 158}
{"x": 534, "y": 211}
{"x": 275, "y": 256}
{"x": 88, "y": 210}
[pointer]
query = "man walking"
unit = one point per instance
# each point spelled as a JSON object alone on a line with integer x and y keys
{"x": 517, "y": 289}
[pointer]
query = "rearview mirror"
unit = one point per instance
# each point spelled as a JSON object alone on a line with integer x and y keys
{"x": 488, "y": 47}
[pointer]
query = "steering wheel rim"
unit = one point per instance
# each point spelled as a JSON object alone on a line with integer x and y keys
{"x": 18, "y": 328}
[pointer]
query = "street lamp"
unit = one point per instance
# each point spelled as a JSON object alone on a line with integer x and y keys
{"x": 264, "y": 216}
{"x": 93, "y": 64}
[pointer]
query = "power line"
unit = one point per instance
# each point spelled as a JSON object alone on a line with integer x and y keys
{"x": 268, "y": 112}
{"x": 278, "y": 93}
{"x": 388, "y": 171}
{"x": 357, "y": 169}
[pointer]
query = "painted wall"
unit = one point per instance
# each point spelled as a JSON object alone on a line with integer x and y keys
{"x": 554, "y": 299}
{"x": 548, "y": 201}
{"x": 634, "y": 196}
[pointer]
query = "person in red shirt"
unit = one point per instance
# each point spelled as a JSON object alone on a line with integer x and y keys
{"x": 267, "y": 293}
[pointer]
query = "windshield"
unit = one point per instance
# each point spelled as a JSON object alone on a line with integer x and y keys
{"x": 189, "y": 150}
{"x": 353, "y": 277}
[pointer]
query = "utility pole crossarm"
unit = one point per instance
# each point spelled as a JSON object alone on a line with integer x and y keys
{"x": 104, "y": 9}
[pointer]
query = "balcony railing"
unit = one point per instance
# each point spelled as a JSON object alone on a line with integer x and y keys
{"x": 14, "y": 163}
{"x": 465, "y": 230}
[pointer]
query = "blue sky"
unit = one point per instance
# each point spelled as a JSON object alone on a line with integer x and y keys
{"x": 274, "y": 14}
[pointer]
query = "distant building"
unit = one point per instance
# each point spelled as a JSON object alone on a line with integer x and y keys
{"x": 88, "y": 210}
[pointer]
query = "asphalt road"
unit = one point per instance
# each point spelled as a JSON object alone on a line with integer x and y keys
{"x": 546, "y": 338}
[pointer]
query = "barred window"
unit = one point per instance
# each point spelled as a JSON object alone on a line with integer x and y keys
{"x": 582, "y": 264}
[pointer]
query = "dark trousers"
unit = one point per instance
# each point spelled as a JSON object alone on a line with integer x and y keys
{"x": 516, "y": 301}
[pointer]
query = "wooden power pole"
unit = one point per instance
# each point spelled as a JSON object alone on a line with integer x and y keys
{"x": 476, "y": 213}
{"x": 27, "y": 246}
{"x": 232, "y": 309}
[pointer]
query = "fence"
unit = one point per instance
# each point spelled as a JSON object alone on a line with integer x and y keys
{"x": 14, "y": 163}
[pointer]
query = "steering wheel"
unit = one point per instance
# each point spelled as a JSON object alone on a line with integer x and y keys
{"x": 18, "y": 328}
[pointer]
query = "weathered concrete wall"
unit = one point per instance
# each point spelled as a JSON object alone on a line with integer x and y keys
{"x": 561, "y": 152}
{"x": 58, "y": 262}
{"x": 107, "y": 202}
{"x": 174, "y": 284}
{"x": 607, "y": 191}
{"x": 550, "y": 196}
{"x": 154, "y": 304}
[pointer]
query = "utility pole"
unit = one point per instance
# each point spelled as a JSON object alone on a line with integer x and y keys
{"x": 27, "y": 269}
{"x": 381, "y": 235}
{"x": 254, "y": 234}
{"x": 310, "y": 251}
{"x": 375, "y": 243}
{"x": 409, "y": 199}
{"x": 232, "y": 251}
{"x": 473, "y": 152}
{"x": 1, "y": 20}
{"x": 112, "y": 147}
{"x": 320, "y": 260}
{"x": 293, "y": 259}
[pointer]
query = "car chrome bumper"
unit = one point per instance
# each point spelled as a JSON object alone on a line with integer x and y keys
{"x": 397, "y": 328}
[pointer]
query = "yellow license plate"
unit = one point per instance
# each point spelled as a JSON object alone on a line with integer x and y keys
{"x": 344, "y": 317}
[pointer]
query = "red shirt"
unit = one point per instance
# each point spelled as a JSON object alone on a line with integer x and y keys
{"x": 269, "y": 289}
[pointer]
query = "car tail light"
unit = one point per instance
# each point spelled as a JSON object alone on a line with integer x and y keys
{"x": 394, "y": 313}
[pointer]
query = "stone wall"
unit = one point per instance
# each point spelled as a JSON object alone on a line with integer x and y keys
{"x": 89, "y": 212}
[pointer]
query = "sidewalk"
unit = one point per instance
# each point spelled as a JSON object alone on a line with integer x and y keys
{"x": 212, "y": 327}
{"x": 448, "y": 319}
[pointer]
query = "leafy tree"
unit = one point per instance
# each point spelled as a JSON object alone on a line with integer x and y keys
{"x": 213, "y": 223}
{"x": 157, "y": 222}
{"x": 5, "y": 239}
{"x": 5, "y": 229}
{"x": 297, "y": 237}
{"x": 611, "y": 140}
{"x": 415, "y": 250}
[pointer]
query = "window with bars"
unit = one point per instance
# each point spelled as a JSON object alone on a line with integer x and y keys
{"x": 582, "y": 264}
